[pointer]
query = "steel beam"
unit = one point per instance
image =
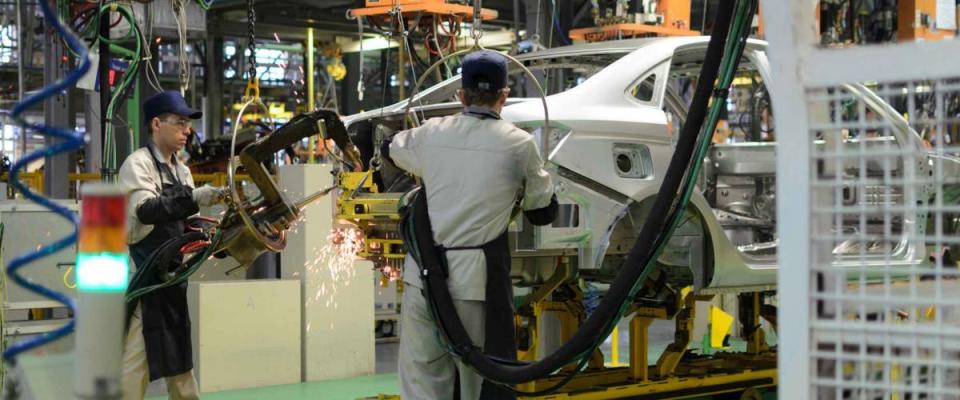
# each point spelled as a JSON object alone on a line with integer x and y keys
{"x": 311, "y": 91}
{"x": 94, "y": 146}
{"x": 213, "y": 82}
{"x": 349, "y": 98}
{"x": 21, "y": 55}
{"x": 56, "y": 112}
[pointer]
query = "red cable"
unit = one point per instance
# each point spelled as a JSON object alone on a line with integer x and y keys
{"x": 194, "y": 246}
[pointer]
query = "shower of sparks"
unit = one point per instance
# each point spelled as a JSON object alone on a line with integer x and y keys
{"x": 391, "y": 271}
{"x": 333, "y": 264}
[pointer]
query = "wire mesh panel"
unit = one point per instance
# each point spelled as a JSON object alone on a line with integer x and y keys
{"x": 885, "y": 227}
{"x": 868, "y": 190}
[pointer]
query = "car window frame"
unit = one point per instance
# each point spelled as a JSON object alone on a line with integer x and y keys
{"x": 661, "y": 70}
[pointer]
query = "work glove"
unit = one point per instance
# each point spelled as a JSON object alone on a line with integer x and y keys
{"x": 206, "y": 195}
{"x": 174, "y": 203}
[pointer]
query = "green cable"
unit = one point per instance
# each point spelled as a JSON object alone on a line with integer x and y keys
{"x": 109, "y": 161}
{"x": 197, "y": 262}
{"x": 92, "y": 31}
{"x": 728, "y": 69}
{"x": 732, "y": 54}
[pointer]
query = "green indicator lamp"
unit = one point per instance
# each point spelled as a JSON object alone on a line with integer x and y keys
{"x": 102, "y": 272}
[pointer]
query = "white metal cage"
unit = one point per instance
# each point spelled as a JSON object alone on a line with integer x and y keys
{"x": 868, "y": 214}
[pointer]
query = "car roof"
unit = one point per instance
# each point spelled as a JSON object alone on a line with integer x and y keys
{"x": 624, "y": 46}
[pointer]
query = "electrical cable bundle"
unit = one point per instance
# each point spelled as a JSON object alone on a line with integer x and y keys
{"x": 163, "y": 254}
{"x": 722, "y": 58}
{"x": 110, "y": 150}
{"x": 70, "y": 140}
{"x": 204, "y": 4}
{"x": 86, "y": 20}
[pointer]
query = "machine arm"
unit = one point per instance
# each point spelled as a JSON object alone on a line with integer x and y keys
{"x": 300, "y": 127}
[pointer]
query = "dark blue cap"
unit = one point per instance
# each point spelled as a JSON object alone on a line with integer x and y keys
{"x": 484, "y": 70}
{"x": 168, "y": 102}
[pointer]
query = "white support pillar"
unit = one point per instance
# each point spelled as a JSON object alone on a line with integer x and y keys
{"x": 337, "y": 306}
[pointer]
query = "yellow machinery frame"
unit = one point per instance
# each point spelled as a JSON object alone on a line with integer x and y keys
{"x": 675, "y": 375}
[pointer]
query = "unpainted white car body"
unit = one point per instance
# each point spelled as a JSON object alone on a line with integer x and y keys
{"x": 608, "y": 152}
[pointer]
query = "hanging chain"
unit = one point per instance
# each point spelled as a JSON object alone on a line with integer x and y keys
{"x": 253, "y": 82}
{"x": 251, "y": 44}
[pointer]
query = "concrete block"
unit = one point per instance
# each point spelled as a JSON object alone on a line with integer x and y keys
{"x": 337, "y": 303}
{"x": 245, "y": 333}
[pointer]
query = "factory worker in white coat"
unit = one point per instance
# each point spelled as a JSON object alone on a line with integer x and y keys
{"x": 474, "y": 167}
{"x": 162, "y": 196}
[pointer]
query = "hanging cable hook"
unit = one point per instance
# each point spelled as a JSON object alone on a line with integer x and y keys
{"x": 476, "y": 27}
{"x": 180, "y": 14}
{"x": 360, "y": 86}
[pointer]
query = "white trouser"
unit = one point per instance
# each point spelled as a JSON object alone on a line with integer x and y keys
{"x": 136, "y": 373}
{"x": 426, "y": 368}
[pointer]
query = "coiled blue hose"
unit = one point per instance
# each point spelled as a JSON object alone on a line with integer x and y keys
{"x": 70, "y": 140}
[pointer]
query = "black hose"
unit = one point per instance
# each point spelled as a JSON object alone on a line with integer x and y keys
{"x": 162, "y": 255}
{"x": 635, "y": 270}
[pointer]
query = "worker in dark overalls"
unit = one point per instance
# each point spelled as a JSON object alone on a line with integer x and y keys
{"x": 474, "y": 166}
{"x": 162, "y": 196}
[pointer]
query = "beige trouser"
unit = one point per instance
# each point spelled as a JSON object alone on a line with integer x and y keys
{"x": 136, "y": 374}
{"x": 426, "y": 368}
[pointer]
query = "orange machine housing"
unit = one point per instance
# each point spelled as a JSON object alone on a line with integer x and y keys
{"x": 381, "y": 3}
{"x": 379, "y": 8}
{"x": 676, "y": 14}
{"x": 676, "y": 22}
{"x": 915, "y": 20}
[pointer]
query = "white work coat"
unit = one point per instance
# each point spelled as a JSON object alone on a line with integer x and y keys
{"x": 474, "y": 170}
{"x": 142, "y": 179}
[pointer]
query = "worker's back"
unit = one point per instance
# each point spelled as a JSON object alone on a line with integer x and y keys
{"x": 474, "y": 170}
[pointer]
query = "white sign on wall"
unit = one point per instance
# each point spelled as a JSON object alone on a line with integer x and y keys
{"x": 946, "y": 14}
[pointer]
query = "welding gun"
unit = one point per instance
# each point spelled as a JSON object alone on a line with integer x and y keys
{"x": 251, "y": 229}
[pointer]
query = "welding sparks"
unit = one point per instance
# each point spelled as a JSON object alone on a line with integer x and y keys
{"x": 334, "y": 263}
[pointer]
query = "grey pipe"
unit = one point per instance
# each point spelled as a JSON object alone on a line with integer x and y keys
{"x": 20, "y": 80}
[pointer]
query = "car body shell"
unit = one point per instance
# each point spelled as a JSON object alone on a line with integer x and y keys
{"x": 599, "y": 120}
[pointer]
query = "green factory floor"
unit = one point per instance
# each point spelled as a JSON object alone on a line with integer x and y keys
{"x": 343, "y": 389}
{"x": 385, "y": 381}
{"x": 42, "y": 373}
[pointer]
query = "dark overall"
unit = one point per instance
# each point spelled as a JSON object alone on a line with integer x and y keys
{"x": 166, "y": 319}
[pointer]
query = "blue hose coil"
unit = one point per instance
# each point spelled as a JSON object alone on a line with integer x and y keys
{"x": 70, "y": 140}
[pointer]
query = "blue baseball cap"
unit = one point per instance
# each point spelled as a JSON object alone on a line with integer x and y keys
{"x": 168, "y": 102}
{"x": 484, "y": 70}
